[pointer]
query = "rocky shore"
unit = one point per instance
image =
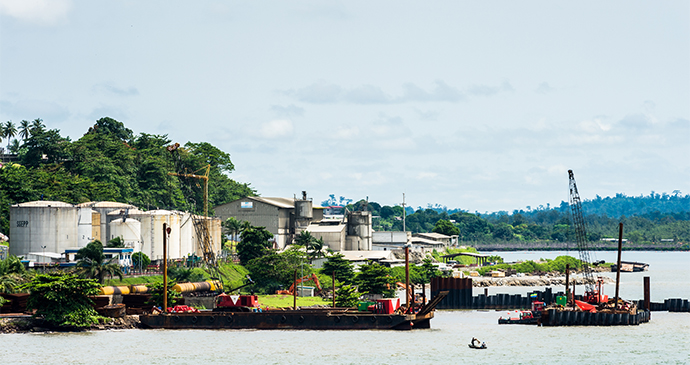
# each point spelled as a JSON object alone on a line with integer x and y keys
{"x": 30, "y": 324}
{"x": 544, "y": 280}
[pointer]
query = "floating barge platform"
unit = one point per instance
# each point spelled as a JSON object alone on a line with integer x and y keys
{"x": 295, "y": 319}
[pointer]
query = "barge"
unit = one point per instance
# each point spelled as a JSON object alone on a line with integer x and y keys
{"x": 243, "y": 317}
{"x": 630, "y": 266}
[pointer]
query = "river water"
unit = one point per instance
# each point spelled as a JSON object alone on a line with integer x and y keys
{"x": 665, "y": 339}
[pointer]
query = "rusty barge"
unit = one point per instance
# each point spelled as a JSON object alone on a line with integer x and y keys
{"x": 242, "y": 317}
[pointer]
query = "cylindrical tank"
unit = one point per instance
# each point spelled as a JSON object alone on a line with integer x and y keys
{"x": 34, "y": 225}
{"x": 186, "y": 235}
{"x": 102, "y": 210}
{"x": 84, "y": 231}
{"x": 152, "y": 233}
{"x": 359, "y": 224}
{"x": 304, "y": 209}
{"x": 129, "y": 231}
{"x": 184, "y": 287}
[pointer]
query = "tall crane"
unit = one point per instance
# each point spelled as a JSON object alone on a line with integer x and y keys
{"x": 202, "y": 225}
{"x": 591, "y": 293}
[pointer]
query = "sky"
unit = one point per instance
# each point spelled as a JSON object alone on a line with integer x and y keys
{"x": 477, "y": 105}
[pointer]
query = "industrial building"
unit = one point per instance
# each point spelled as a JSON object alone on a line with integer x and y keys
{"x": 287, "y": 217}
{"x": 44, "y": 231}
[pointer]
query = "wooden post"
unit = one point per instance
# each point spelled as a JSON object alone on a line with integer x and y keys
{"x": 618, "y": 270}
{"x": 647, "y": 297}
{"x": 567, "y": 285}
{"x": 407, "y": 277}
{"x": 294, "y": 292}
{"x": 333, "y": 288}
{"x": 165, "y": 268}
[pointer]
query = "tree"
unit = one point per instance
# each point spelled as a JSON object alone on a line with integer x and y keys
{"x": 92, "y": 263}
{"x": 9, "y": 132}
{"x": 375, "y": 279}
{"x": 274, "y": 270}
{"x": 429, "y": 270}
{"x": 63, "y": 299}
{"x": 24, "y": 130}
{"x": 255, "y": 243}
{"x": 116, "y": 242}
{"x": 344, "y": 271}
{"x": 232, "y": 227}
{"x": 157, "y": 294}
{"x": 140, "y": 260}
{"x": 445, "y": 227}
{"x": 347, "y": 296}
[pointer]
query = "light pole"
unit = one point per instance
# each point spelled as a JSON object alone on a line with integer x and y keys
{"x": 43, "y": 258}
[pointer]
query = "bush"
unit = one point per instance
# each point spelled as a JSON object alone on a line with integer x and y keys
{"x": 63, "y": 299}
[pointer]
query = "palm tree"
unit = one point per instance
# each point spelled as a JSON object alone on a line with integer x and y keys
{"x": 24, "y": 130}
{"x": 10, "y": 132}
{"x": 232, "y": 227}
{"x": 37, "y": 123}
{"x": 93, "y": 264}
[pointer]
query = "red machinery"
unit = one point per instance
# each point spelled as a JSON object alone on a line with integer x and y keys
{"x": 291, "y": 291}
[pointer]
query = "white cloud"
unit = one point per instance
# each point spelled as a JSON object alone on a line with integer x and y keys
{"x": 43, "y": 12}
{"x": 347, "y": 133}
{"x": 276, "y": 129}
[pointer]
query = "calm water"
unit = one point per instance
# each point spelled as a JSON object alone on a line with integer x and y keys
{"x": 666, "y": 339}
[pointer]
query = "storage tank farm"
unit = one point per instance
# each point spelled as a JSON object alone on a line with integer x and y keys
{"x": 35, "y": 224}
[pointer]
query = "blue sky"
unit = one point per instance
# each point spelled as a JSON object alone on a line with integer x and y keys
{"x": 482, "y": 106}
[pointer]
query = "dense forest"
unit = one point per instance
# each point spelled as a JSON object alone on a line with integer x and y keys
{"x": 110, "y": 163}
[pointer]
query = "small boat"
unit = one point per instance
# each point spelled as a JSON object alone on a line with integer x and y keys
{"x": 474, "y": 344}
{"x": 630, "y": 266}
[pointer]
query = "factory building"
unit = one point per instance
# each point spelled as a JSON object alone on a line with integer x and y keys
{"x": 287, "y": 217}
{"x": 45, "y": 231}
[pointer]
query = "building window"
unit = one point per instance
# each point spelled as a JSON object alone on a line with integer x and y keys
{"x": 246, "y": 205}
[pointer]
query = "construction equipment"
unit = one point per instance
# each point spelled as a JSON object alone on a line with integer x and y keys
{"x": 291, "y": 291}
{"x": 592, "y": 294}
{"x": 202, "y": 225}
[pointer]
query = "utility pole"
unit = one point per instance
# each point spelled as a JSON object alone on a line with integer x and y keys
{"x": 403, "y": 206}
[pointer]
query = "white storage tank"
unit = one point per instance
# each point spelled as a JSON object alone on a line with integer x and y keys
{"x": 186, "y": 235}
{"x": 85, "y": 232}
{"x": 102, "y": 217}
{"x": 35, "y": 224}
{"x": 129, "y": 230}
{"x": 152, "y": 232}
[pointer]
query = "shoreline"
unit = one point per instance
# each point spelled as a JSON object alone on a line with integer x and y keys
{"x": 27, "y": 324}
{"x": 532, "y": 280}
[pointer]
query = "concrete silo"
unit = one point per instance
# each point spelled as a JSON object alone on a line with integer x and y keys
{"x": 359, "y": 231}
{"x": 34, "y": 225}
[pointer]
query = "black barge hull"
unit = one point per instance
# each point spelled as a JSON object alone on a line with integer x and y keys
{"x": 284, "y": 320}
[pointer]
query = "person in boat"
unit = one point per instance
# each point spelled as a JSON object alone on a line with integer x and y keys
{"x": 483, "y": 345}
{"x": 475, "y": 342}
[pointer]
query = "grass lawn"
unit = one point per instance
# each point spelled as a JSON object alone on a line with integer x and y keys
{"x": 281, "y": 301}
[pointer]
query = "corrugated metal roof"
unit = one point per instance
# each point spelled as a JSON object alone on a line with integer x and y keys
{"x": 44, "y": 204}
{"x": 420, "y": 240}
{"x": 326, "y": 228}
{"x": 287, "y": 203}
{"x": 432, "y": 235}
{"x": 367, "y": 255}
